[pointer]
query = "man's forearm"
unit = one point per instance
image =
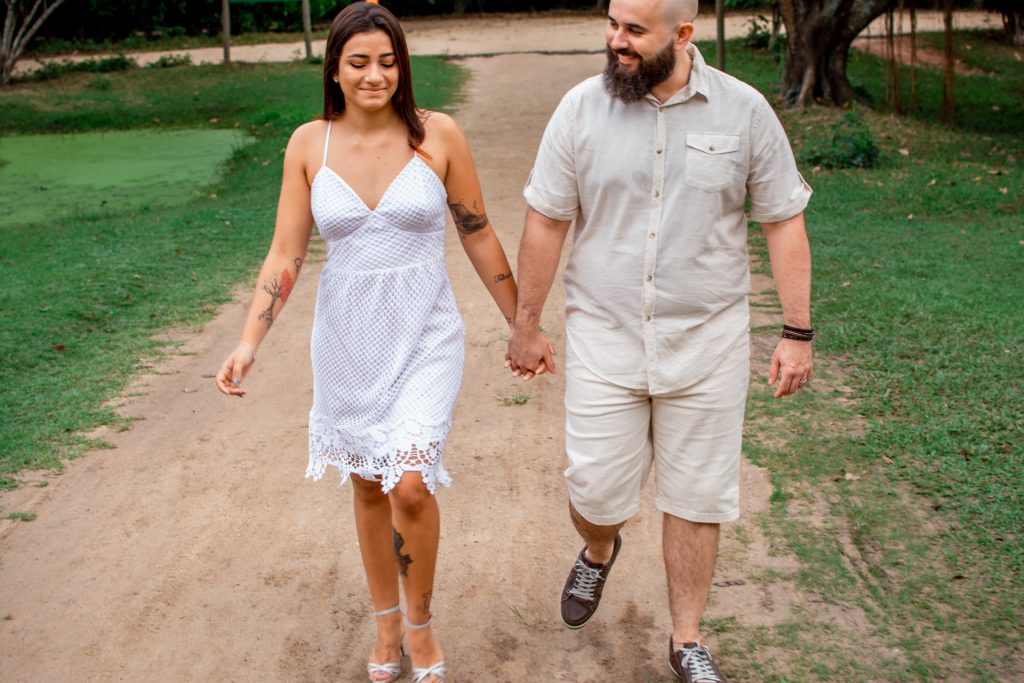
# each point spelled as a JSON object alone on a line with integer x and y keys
{"x": 790, "y": 256}
{"x": 539, "y": 253}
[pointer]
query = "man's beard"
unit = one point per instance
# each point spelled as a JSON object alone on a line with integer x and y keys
{"x": 632, "y": 85}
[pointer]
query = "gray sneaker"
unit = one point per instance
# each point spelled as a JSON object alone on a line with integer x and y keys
{"x": 693, "y": 664}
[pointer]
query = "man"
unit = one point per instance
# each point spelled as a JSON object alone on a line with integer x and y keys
{"x": 655, "y": 160}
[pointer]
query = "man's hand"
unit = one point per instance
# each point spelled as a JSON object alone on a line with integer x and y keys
{"x": 529, "y": 353}
{"x": 792, "y": 366}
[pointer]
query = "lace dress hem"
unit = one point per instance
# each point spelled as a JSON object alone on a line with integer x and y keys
{"x": 380, "y": 453}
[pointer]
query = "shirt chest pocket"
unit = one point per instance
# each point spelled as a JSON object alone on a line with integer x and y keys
{"x": 712, "y": 160}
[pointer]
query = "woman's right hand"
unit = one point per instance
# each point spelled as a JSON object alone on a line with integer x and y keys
{"x": 234, "y": 369}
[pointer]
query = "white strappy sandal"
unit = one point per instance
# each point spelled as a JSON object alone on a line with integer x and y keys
{"x": 421, "y": 673}
{"x": 391, "y": 669}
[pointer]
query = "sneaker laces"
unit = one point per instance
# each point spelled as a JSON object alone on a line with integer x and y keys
{"x": 698, "y": 660}
{"x": 585, "y": 581}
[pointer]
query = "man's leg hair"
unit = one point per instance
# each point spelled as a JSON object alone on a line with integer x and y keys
{"x": 690, "y": 550}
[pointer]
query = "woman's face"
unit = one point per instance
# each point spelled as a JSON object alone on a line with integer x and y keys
{"x": 368, "y": 71}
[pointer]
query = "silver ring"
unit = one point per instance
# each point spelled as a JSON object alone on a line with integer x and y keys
{"x": 803, "y": 381}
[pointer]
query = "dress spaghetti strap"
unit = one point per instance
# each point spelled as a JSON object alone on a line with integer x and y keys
{"x": 327, "y": 141}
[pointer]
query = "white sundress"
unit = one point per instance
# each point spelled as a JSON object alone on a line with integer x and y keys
{"x": 387, "y": 344}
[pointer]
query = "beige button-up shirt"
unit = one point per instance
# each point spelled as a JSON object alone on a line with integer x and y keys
{"x": 657, "y": 280}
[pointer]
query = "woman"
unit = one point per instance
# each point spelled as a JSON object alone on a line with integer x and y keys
{"x": 375, "y": 174}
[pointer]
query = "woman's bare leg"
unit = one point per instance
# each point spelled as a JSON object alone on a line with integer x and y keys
{"x": 373, "y": 526}
{"x": 417, "y": 527}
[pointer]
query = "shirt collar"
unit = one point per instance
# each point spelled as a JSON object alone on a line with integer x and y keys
{"x": 697, "y": 84}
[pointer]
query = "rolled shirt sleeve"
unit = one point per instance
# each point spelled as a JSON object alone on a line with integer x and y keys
{"x": 552, "y": 187}
{"x": 776, "y": 189}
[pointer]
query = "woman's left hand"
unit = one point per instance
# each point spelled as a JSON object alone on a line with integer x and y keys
{"x": 234, "y": 369}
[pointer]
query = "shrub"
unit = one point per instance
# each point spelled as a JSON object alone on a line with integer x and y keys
{"x": 105, "y": 65}
{"x": 101, "y": 82}
{"x": 759, "y": 34}
{"x": 54, "y": 69}
{"x": 170, "y": 61}
{"x": 851, "y": 145}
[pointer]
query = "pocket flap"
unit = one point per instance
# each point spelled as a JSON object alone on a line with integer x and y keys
{"x": 713, "y": 143}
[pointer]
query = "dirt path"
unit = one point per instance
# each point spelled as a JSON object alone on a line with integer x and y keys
{"x": 195, "y": 550}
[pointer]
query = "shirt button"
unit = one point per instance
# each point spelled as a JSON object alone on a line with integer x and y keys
{"x": 650, "y": 277}
{"x": 711, "y": 148}
{"x": 659, "y": 151}
{"x": 656, "y": 194}
{"x": 647, "y": 318}
{"x": 651, "y": 235}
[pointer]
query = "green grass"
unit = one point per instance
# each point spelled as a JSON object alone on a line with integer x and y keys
{"x": 89, "y": 289}
{"x": 21, "y": 516}
{"x": 919, "y": 459}
{"x": 514, "y": 399}
{"x": 51, "y": 175}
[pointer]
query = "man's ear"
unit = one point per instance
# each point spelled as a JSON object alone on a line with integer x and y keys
{"x": 684, "y": 33}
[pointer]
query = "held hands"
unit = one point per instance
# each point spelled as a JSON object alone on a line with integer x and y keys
{"x": 792, "y": 366}
{"x": 234, "y": 369}
{"x": 529, "y": 353}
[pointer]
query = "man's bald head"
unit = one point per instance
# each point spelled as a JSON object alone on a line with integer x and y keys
{"x": 679, "y": 11}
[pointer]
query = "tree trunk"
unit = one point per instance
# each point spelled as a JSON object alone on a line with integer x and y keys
{"x": 950, "y": 67}
{"x": 913, "y": 55}
{"x": 819, "y": 36}
{"x": 720, "y": 34}
{"x": 776, "y": 25}
{"x": 896, "y": 96}
{"x": 19, "y": 28}
{"x": 1013, "y": 23}
{"x": 307, "y": 29}
{"x": 225, "y": 28}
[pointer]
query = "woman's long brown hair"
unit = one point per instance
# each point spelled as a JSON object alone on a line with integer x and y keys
{"x": 364, "y": 17}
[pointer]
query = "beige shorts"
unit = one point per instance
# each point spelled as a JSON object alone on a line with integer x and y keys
{"x": 692, "y": 437}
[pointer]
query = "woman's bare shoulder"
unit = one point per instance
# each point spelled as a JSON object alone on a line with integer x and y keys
{"x": 311, "y": 132}
{"x": 438, "y": 123}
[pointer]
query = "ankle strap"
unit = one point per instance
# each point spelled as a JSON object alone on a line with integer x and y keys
{"x": 417, "y": 627}
{"x": 385, "y": 612}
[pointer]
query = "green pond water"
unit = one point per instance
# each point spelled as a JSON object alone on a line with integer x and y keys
{"x": 45, "y": 176}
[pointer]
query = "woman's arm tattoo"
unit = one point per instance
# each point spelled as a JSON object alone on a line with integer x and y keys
{"x": 502, "y": 276}
{"x": 467, "y": 221}
{"x": 278, "y": 289}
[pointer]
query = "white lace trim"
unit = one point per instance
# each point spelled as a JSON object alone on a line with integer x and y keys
{"x": 381, "y": 452}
